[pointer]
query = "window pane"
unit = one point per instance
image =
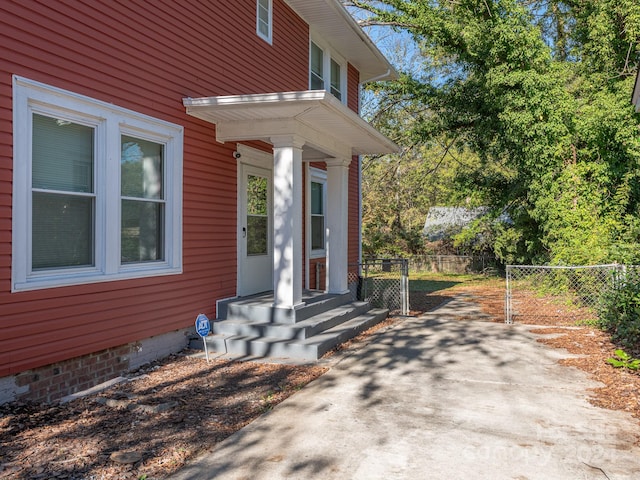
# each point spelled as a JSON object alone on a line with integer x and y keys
{"x": 336, "y": 80}
{"x": 257, "y": 235}
{"x": 317, "y": 198}
{"x": 317, "y": 68}
{"x": 62, "y": 155}
{"x": 256, "y": 195}
{"x": 263, "y": 17}
{"x": 62, "y": 229}
{"x": 142, "y": 234}
{"x": 317, "y": 232}
{"x": 141, "y": 168}
{"x": 317, "y": 83}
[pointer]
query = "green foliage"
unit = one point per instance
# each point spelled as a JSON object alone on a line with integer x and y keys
{"x": 622, "y": 359}
{"x": 619, "y": 311}
{"x": 398, "y": 191}
{"x": 537, "y": 93}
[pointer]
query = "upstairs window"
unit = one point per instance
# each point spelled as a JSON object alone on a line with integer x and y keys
{"x": 265, "y": 19}
{"x": 317, "y": 68}
{"x": 336, "y": 80}
{"x": 326, "y": 71}
{"x": 97, "y": 191}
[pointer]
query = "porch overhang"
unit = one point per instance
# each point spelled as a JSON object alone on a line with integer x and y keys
{"x": 329, "y": 128}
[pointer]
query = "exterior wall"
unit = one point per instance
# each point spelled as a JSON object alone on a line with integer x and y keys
{"x": 144, "y": 59}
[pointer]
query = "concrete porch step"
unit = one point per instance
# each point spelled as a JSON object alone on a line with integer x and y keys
{"x": 311, "y": 348}
{"x": 289, "y": 331}
{"x": 259, "y": 308}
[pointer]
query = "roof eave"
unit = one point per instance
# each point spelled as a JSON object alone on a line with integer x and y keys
{"x": 351, "y": 42}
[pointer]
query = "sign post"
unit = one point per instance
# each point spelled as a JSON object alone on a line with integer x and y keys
{"x": 203, "y": 327}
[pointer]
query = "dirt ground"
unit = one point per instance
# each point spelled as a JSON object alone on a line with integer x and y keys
{"x": 169, "y": 412}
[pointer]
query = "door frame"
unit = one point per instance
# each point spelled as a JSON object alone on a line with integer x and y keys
{"x": 251, "y": 157}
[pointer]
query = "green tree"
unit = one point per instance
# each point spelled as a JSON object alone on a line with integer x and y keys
{"x": 398, "y": 191}
{"x": 539, "y": 91}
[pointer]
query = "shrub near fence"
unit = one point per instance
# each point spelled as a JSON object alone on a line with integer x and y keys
{"x": 619, "y": 310}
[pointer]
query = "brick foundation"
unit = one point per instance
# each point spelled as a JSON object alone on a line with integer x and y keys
{"x": 51, "y": 383}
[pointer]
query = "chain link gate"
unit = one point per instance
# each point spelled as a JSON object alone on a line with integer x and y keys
{"x": 556, "y": 295}
{"x": 384, "y": 283}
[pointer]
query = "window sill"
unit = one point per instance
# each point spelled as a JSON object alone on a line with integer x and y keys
{"x": 129, "y": 272}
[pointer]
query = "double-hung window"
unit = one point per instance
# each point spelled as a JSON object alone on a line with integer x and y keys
{"x": 264, "y": 19}
{"x": 317, "y": 209}
{"x": 326, "y": 71}
{"x": 97, "y": 190}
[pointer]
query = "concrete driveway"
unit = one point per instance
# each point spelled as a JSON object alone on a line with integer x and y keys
{"x": 436, "y": 398}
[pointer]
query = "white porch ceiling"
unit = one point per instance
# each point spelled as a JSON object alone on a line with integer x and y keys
{"x": 329, "y": 128}
{"x": 331, "y": 21}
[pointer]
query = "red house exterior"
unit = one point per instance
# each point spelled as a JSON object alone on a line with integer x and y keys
{"x": 150, "y": 152}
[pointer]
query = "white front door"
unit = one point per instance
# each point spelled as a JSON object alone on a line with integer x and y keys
{"x": 255, "y": 225}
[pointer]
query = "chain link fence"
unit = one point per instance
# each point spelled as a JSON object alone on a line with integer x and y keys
{"x": 557, "y": 295}
{"x": 384, "y": 283}
{"x": 452, "y": 263}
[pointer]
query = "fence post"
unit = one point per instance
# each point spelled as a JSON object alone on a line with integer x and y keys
{"x": 366, "y": 276}
{"x": 507, "y": 298}
{"x": 404, "y": 286}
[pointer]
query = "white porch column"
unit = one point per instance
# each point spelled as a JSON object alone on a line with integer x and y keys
{"x": 287, "y": 221}
{"x": 337, "y": 218}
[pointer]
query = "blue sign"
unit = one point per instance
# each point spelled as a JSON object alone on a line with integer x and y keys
{"x": 203, "y": 326}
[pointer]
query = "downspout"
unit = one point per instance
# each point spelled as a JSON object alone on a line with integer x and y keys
{"x": 359, "y": 213}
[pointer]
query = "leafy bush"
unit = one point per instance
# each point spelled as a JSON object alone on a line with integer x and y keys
{"x": 622, "y": 359}
{"x": 620, "y": 309}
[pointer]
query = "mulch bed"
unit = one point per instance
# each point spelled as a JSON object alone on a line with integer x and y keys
{"x": 147, "y": 427}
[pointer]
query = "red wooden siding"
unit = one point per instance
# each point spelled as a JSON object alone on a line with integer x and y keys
{"x": 145, "y": 56}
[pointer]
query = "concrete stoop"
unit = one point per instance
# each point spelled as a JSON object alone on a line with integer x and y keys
{"x": 251, "y": 327}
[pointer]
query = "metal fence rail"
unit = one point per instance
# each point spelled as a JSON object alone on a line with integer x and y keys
{"x": 556, "y": 295}
{"x": 383, "y": 282}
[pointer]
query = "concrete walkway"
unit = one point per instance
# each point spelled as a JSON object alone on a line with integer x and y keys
{"x": 435, "y": 398}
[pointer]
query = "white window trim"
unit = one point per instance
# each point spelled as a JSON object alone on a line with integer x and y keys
{"x": 269, "y": 37}
{"x": 318, "y": 176}
{"x": 328, "y": 55}
{"x": 110, "y": 122}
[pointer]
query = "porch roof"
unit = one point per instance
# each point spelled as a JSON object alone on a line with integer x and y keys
{"x": 329, "y": 128}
